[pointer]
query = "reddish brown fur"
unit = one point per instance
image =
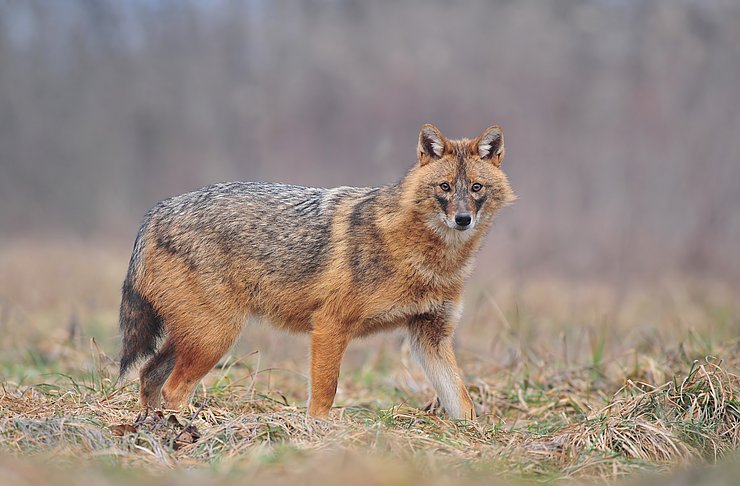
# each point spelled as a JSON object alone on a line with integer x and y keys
{"x": 422, "y": 269}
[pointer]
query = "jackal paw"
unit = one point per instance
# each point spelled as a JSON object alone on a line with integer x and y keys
{"x": 434, "y": 407}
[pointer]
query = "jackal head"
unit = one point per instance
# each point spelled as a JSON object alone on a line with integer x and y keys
{"x": 460, "y": 184}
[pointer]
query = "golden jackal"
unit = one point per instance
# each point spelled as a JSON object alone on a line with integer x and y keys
{"x": 336, "y": 263}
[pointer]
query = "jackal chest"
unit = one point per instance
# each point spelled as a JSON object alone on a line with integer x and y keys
{"x": 392, "y": 316}
{"x": 389, "y": 307}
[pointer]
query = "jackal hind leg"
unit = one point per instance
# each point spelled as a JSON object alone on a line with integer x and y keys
{"x": 198, "y": 350}
{"x": 154, "y": 373}
{"x": 431, "y": 344}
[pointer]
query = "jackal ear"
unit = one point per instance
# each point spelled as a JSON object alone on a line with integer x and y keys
{"x": 431, "y": 144}
{"x": 490, "y": 144}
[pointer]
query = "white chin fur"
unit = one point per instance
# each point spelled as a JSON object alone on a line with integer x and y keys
{"x": 448, "y": 232}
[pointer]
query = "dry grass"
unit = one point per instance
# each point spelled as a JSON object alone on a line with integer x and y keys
{"x": 573, "y": 383}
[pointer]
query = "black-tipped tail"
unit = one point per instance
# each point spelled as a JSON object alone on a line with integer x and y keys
{"x": 141, "y": 327}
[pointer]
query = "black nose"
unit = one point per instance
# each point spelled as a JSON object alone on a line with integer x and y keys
{"x": 462, "y": 219}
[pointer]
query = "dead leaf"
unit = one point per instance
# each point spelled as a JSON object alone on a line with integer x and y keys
{"x": 122, "y": 429}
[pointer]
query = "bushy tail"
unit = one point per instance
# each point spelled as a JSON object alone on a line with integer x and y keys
{"x": 141, "y": 326}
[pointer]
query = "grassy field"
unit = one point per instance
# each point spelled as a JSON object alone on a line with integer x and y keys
{"x": 574, "y": 381}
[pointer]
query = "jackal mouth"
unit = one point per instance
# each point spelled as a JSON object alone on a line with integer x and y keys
{"x": 460, "y": 227}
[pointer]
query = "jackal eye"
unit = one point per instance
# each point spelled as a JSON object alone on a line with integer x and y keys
{"x": 445, "y": 187}
{"x": 476, "y": 187}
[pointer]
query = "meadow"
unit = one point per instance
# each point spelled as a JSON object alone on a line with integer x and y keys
{"x": 601, "y": 329}
{"x": 574, "y": 382}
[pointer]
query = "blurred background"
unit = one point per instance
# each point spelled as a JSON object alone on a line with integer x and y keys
{"x": 622, "y": 117}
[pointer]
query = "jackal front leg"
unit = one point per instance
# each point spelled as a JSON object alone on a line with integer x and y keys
{"x": 327, "y": 349}
{"x": 430, "y": 335}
